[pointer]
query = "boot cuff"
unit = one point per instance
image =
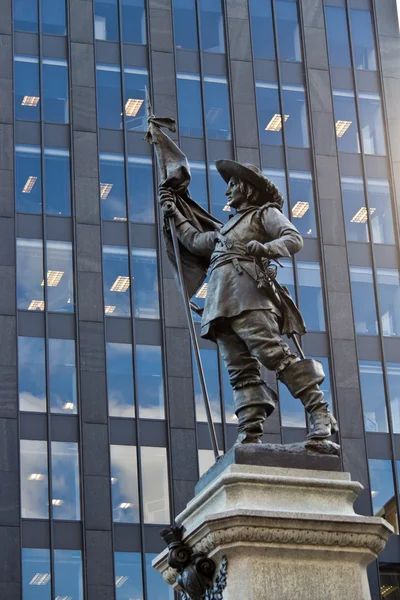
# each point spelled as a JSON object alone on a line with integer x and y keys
{"x": 253, "y": 395}
{"x": 301, "y": 375}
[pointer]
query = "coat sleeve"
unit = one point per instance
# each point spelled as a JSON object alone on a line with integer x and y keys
{"x": 201, "y": 244}
{"x": 284, "y": 239}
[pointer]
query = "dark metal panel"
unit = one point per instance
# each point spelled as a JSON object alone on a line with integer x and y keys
{"x": 350, "y": 164}
{"x": 378, "y": 445}
{"x": 265, "y": 70}
{"x": 56, "y": 135}
{"x": 386, "y": 256}
{"x": 392, "y": 349}
{"x": 359, "y": 254}
{"x": 107, "y": 52}
{"x": 220, "y": 149}
{"x": 391, "y": 553}
{"x": 27, "y": 132}
{"x": 299, "y": 158}
{"x": 59, "y": 228}
{"x": 368, "y": 81}
{"x": 135, "y": 56}
{"x": 377, "y": 166}
{"x": 61, "y": 326}
{"x": 369, "y": 347}
{"x": 54, "y": 46}
{"x": 152, "y": 539}
{"x": 194, "y": 148}
{"x": 35, "y": 534}
{"x": 26, "y": 43}
{"x": 311, "y": 250}
{"x": 33, "y": 426}
{"x": 153, "y": 433}
{"x": 64, "y": 428}
{"x": 187, "y": 61}
{"x": 30, "y": 323}
{"x": 118, "y": 330}
{"x": 316, "y": 344}
{"x": 137, "y": 145}
{"x": 203, "y": 436}
{"x": 110, "y": 141}
{"x": 342, "y": 79}
{"x": 115, "y": 234}
{"x": 214, "y": 64}
{"x": 292, "y": 72}
{"x": 126, "y": 537}
{"x": 148, "y": 333}
{"x": 67, "y": 535}
{"x": 29, "y": 226}
{"x": 122, "y": 431}
{"x": 291, "y": 435}
{"x": 272, "y": 157}
{"x": 143, "y": 236}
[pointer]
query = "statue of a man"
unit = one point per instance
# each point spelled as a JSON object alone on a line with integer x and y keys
{"x": 246, "y": 310}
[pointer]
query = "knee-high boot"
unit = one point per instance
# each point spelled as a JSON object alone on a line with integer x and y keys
{"x": 253, "y": 404}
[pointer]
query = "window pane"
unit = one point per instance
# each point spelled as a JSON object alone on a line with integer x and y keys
{"x": 355, "y": 211}
{"x": 36, "y": 574}
{"x": 106, "y": 20}
{"x": 62, "y": 376}
{"x": 288, "y": 30}
{"x": 185, "y": 24}
{"x": 124, "y": 484}
{"x": 338, "y": 36}
{"x": 302, "y": 202}
{"x": 26, "y": 88}
{"x": 145, "y": 284}
{"x": 189, "y": 104}
{"x": 128, "y": 576}
{"x": 136, "y": 83}
{"x": 362, "y": 288}
{"x": 209, "y": 359}
{"x": 381, "y": 211}
{"x": 382, "y": 487}
{"x": 217, "y": 107}
{"x": 116, "y": 281}
{"x": 291, "y": 409}
{"x": 60, "y": 283}
{"x": 229, "y": 404}
{"x": 310, "y": 295}
{"x": 211, "y": 26}
{"x": 109, "y": 102}
{"x": 393, "y": 378}
{"x": 200, "y": 298}
{"x": 262, "y": 29}
{"x": 198, "y": 183}
{"x": 155, "y": 485}
{"x": 55, "y": 90}
{"x": 133, "y": 18}
{"x": 65, "y": 481}
{"x": 112, "y": 186}
{"x": 286, "y": 277}
{"x": 141, "y": 194}
{"x": 278, "y": 177}
{"x": 30, "y": 274}
{"x": 28, "y": 179}
{"x": 269, "y": 113}
{"x": 371, "y": 122}
{"x": 157, "y": 589}
{"x": 389, "y": 300}
{"x": 206, "y": 460}
{"x": 150, "y": 386}
{"x": 31, "y": 374}
{"x": 346, "y": 121}
{"x": 54, "y": 17}
{"x": 219, "y": 207}
{"x": 120, "y": 380}
{"x": 363, "y": 39}
{"x": 26, "y": 15}
{"x": 34, "y": 480}
{"x": 68, "y": 574}
{"x": 57, "y": 181}
{"x": 389, "y": 579}
{"x": 296, "y": 120}
{"x": 373, "y": 396}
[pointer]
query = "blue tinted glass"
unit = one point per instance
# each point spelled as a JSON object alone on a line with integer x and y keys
{"x": 62, "y": 376}
{"x": 185, "y": 24}
{"x": 30, "y": 274}
{"x": 286, "y": 277}
{"x": 155, "y": 491}
{"x": 218, "y": 122}
{"x": 109, "y": 102}
{"x": 28, "y": 179}
{"x": 54, "y": 17}
{"x": 189, "y": 104}
{"x": 150, "y": 386}
{"x": 310, "y": 295}
{"x": 355, "y": 211}
{"x": 373, "y": 395}
{"x": 65, "y": 481}
{"x": 262, "y": 29}
{"x": 124, "y": 484}
{"x": 106, "y": 20}
{"x": 220, "y": 209}
{"x": 157, "y": 589}
{"x": 393, "y": 378}
{"x": 55, "y": 90}
{"x": 288, "y": 30}
{"x": 26, "y": 88}
{"x": 60, "y": 281}
{"x": 120, "y": 380}
{"x": 382, "y": 486}
{"x": 31, "y": 374}
{"x": 302, "y": 202}
{"x": 209, "y": 358}
{"x": 269, "y": 113}
{"x": 57, "y": 181}
{"x": 381, "y": 211}
{"x": 371, "y": 123}
{"x": 278, "y": 177}
{"x": 292, "y": 410}
{"x": 296, "y": 120}
{"x": 362, "y": 287}
{"x": 141, "y": 195}
{"x": 198, "y": 183}
{"x": 26, "y": 15}
{"x": 211, "y": 26}
{"x": 112, "y": 186}
{"x": 389, "y": 300}
{"x": 34, "y": 480}
{"x": 116, "y": 281}
{"x": 36, "y": 574}
{"x": 136, "y": 83}
{"x": 338, "y": 36}
{"x": 362, "y": 37}
{"x": 68, "y": 574}
{"x": 145, "y": 284}
{"x": 346, "y": 121}
{"x": 133, "y": 17}
{"x": 128, "y": 575}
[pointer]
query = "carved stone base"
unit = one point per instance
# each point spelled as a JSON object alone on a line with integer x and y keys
{"x": 286, "y": 533}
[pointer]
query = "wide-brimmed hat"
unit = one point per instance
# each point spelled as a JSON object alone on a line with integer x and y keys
{"x": 252, "y": 174}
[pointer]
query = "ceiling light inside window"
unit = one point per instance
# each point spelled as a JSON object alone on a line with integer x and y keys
{"x": 309, "y": 232}
{"x": 202, "y": 292}
{"x": 120, "y": 580}
{"x": 120, "y": 219}
{"x": 227, "y": 208}
{"x": 133, "y": 106}
{"x": 121, "y": 284}
{"x": 36, "y": 305}
{"x": 300, "y": 209}
{"x": 386, "y": 590}
{"x": 36, "y": 477}
{"x": 105, "y": 189}
{"x": 57, "y": 502}
{"x": 109, "y": 309}
{"x": 69, "y": 406}
{"x": 213, "y": 114}
{"x": 125, "y": 505}
{"x": 29, "y": 185}
{"x": 275, "y": 123}
{"x": 64, "y": 598}
{"x": 342, "y": 127}
{"x": 113, "y": 480}
{"x": 40, "y": 579}
{"x": 53, "y": 278}
{"x": 362, "y": 216}
{"x": 30, "y": 101}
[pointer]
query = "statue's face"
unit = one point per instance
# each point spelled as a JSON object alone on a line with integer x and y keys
{"x": 236, "y": 199}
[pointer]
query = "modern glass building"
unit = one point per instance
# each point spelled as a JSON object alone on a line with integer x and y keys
{"x": 103, "y": 432}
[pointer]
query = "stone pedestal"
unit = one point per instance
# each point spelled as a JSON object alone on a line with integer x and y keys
{"x": 287, "y": 533}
